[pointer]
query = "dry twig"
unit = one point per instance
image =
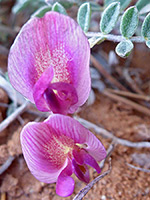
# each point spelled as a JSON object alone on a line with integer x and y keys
{"x": 107, "y": 134}
{"x": 131, "y": 82}
{"x": 114, "y": 38}
{"x": 130, "y": 94}
{"x": 134, "y": 105}
{"x": 86, "y": 189}
{"x": 7, "y": 164}
{"x": 138, "y": 168}
{"x": 106, "y": 74}
{"x": 13, "y": 116}
{"x": 109, "y": 152}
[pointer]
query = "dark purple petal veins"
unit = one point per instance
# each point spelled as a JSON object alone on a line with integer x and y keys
{"x": 57, "y": 97}
{"x": 81, "y": 171}
{"x": 40, "y": 87}
{"x": 60, "y": 96}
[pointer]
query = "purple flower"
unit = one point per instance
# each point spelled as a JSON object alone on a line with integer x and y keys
{"x": 49, "y": 63}
{"x": 57, "y": 148}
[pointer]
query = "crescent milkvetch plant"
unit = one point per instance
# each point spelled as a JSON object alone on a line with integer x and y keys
{"x": 49, "y": 63}
{"x": 57, "y": 148}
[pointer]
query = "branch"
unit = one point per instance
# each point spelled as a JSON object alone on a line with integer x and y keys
{"x": 135, "y": 106}
{"x": 7, "y": 164}
{"x": 13, "y": 116}
{"x": 115, "y": 38}
{"x": 86, "y": 189}
{"x": 107, "y": 134}
{"x": 101, "y": 69}
{"x": 129, "y": 94}
{"x": 109, "y": 152}
{"x": 138, "y": 168}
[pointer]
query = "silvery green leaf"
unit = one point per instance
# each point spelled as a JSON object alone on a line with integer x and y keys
{"x": 57, "y": 7}
{"x": 107, "y": 2}
{"x": 84, "y": 16}
{"x": 33, "y": 5}
{"x": 66, "y": 4}
{"x": 109, "y": 18}
{"x": 145, "y": 31}
{"x": 145, "y": 9}
{"x": 124, "y": 48}
{"x": 41, "y": 12}
{"x": 148, "y": 43}
{"x": 123, "y": 3}
{"x": 95, "y": 6}
{"x": 129, "y": 22}
{"x": 20, "y": 5}
{"x": 95, "y": 40}
{"x": 141, "y": 4}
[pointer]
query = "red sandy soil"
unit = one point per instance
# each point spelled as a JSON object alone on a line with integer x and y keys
{"x": 123, "y": 182}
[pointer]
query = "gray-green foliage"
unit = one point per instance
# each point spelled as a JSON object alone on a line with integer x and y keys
{"x": 109, "y": 18}
{"x": 84, "y": 16}
{"x": 66, "y": 4}
{"x": 142, "y": 3}
{"x": 22, "y": 5}
{"x": 95, "y": 6}
{"x": 95, "y": 40}
{"x": 124, "y": 48}
{"x": 57, "y": 7}
{"x": 123, "y": 3}
{"x": 145, "y": 31}
{"x": 148, "y": 43}
{"x": 129, "y": 22}
{"x": 41, "y": 12}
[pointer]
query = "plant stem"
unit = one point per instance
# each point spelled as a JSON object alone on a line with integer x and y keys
{"x": 104, "y": 133}
{"x": 115, "y": 38}
{"x": 86, "y": 189}
{"x": 13, "y": 116}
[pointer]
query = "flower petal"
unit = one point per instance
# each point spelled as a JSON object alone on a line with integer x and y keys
{"x": 55, "y": 40}
{"x": 70, "y": 127}
{"x": 64, "y": 97}
{"x": 82, "y": 157}
{"x": 81, "y": 171}
{"x": 89, "y": 160}
{"x": 42, "y": 154}
{"x": 40, "y": 87}
{"x": 65, "y": 183}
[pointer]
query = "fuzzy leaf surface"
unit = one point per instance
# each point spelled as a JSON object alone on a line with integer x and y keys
{"x": 124, "y": 48}
{"x": 129, "y": 22}
{"x": 145, "y": 31}
{"x": 109, "y": 18}
{"x": 84, "y": 16}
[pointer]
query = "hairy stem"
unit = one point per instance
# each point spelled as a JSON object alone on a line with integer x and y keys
{"x": 115, "y": 38}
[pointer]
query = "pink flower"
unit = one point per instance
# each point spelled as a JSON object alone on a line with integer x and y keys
{"x": 49, "y": 63}
{"x": 57, "y": 148}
